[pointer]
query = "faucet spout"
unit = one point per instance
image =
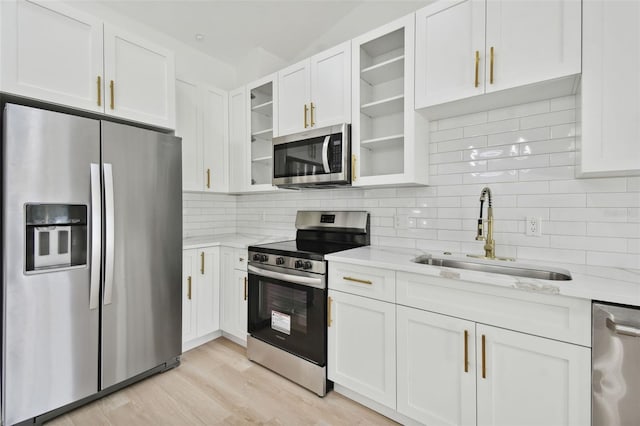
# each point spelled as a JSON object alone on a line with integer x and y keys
{"x": 489, "y": 243}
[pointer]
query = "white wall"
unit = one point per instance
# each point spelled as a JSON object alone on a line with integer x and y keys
{"x": 526, "y": 154}
{"x": 191, "y": 64}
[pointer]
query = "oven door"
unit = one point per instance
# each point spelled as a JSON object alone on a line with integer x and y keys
{"x": 289, "y": 311}
{"x": 318, "y": 156}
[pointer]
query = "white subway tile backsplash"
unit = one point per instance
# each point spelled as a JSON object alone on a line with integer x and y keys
{"x": 549, "y": 119}
{"x": 525, "y": 154}
{"x": 491, "y": 128}
{"x": 519, "y": 111}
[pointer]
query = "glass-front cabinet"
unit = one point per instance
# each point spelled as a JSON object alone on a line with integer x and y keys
{"x": 261, "y": 122}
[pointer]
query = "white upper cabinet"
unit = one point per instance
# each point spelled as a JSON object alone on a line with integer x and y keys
{"x": 202, "y": 123}
{"x": 610, "y": 89}
{"x": 315, "y": 92}
{"x": 262, "y": 124}
{"x": 215, "y": 139}
{"x": 531, "y": 41}
{"x": 474, "y": 47}
{"x": 52, "y": 52}
{"x": 446, "y": 71}
{"x": 139, "y": 78}
{"x": 385, "y": 150}
{"x": 237, "y": 140}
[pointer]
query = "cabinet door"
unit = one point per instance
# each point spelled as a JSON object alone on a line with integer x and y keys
{"x": 530, "y": 380}
{"x": 208, "y": 282}
{"x": 52, "y": 52}
{"x": 215, "y": 139}
{"x": 139, "y": 79}
{"x": 610, "y": 88}
{"x": 532, "y": 41}
{"x": 294, "y": 94}
{"x": 449, "y": 52}
{"x": 331, "y": 87}
{"x": 436, "y": 368}
{"x": 238, "y": 140}
{"x": 189, "y": 265}
{"x": 188, "y": 128}
{"x": 361, "y": 346}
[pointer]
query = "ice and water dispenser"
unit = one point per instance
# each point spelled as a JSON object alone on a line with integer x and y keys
{"x": 56, "y": 236}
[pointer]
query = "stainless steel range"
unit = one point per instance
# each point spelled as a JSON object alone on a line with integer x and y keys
{"x": 287, "y": 321}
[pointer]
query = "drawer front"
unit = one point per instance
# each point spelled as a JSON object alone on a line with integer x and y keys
{"x": 375, "y": 283}
{"x": 556, "y": 317}
{"x": 240, "y": 259}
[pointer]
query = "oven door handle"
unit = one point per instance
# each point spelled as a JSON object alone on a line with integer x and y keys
{"x": 325, "y": 154}
{"x": 296, "y": 279}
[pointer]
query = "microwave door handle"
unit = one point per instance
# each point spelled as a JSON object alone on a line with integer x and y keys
{"x": 325, "y": 154}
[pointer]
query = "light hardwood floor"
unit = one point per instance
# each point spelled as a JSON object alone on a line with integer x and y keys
{"x": 217, "y": 384}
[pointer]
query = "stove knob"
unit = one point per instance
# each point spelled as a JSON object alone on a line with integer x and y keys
{"x": 307, "y": 265}
{"x": 264, "y": 258}
{"x": 299, "y": 264}
{"x": 279, "y": 260}
{"x": 256, "y": 257}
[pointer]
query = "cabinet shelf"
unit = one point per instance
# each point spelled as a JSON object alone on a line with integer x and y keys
{"x": 261, "y": 159}
{"x": 383, "y": 142}
{"x": 264, "y": 135}
{"x": 264, "y": 108}
{"x": 385, "y": 71}
{"x": 382, "y": 107}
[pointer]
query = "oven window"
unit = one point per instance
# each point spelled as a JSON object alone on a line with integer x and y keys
{"x": 289, "y": 316}
{"x": 307, "y": 157}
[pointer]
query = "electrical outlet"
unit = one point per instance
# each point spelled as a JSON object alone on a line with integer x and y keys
{"x": 533, "y": 226}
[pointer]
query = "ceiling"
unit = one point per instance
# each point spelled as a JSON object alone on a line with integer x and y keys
{"x": 284, "y": 29}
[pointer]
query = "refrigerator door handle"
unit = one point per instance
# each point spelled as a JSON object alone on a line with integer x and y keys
{"x": 96, "y": 236}
{"x": 109, "y": 233}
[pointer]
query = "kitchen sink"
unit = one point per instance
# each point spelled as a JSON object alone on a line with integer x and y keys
{"x": 555, "y": 274}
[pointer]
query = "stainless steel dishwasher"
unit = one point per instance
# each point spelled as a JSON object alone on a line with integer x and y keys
{"x": 616, "y": 365}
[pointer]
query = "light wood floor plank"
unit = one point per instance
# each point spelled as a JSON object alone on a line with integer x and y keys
{"x": 217, "y": 385}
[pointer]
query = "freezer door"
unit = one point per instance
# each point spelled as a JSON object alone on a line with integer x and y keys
{"x": 51, "y": 329}
{"x": 142, "y": 308}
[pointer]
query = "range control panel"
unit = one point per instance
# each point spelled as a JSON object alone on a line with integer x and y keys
{"x": 289, "y": 262}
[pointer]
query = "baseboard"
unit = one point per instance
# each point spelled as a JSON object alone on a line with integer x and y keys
{"x": 188, "y": 345}
{"x": 375, "y": 406}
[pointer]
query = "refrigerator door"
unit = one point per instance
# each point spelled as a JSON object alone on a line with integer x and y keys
{"x": 51, "y": 326}
{"x": 142, "y": 308}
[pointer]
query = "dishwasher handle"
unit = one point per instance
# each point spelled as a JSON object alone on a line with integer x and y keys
{"x": 623, "y": 329}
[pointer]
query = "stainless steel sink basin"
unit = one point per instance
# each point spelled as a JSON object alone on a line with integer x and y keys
{"x": 555, "y": 274}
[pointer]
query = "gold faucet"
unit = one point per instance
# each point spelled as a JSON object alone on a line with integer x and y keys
{"x": 489, "y": 243}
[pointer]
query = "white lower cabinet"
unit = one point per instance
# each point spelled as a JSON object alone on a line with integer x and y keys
{"x": 200, "y": 296}
{"x": 443, "y": 366}
{"x": 436, "y": 368}
{"x": 361, "y": 346}
{"x": 235, "y": 289}
{"x": 530, "y": 380}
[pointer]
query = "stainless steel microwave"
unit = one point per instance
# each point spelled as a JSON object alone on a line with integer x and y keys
{"x": 314, "y": 158}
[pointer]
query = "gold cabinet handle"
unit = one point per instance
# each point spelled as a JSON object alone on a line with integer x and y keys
{"x": 306, "y": 110}
{"x": 484, "y": 358}
{"x": 466, "y": 351}
{"x": 208, "y": 178}
{"x": 99, "y": 84}
{"x": 189, "y": 287}
{"x": 329, "y": 301}
{"x": 111, "y": 84}
{"x": 202, "y": 263}
{"x": 312, "y": 109}
{"x": 491, "y": 68}
{"x": 477, "y": 82}
{"x": 245, "y": 288}
{"x": 353, "y": 167}
{"x": 357, "y": 280}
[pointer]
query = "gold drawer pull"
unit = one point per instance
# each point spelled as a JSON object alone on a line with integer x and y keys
{"x": 484, "y": 358}
{"x": 306, "y": 111}
{"x": 491, "y": 68}
{"x": 466, "y": 351}
{"x": 477, "y": 82}
{"x": 208, "y": 178}
{"x": 99, "y": 84}
{"x": 202, "y": 263}
{"x": 357, "y": 280}
{"x": 245, "y": 288}
{"x": 353, "y": 167}
{"x": 111, "y": 84}
{"x": 189, "y": 288}
{"x": 312, "y": 109}
{"x": 329, "y": 300}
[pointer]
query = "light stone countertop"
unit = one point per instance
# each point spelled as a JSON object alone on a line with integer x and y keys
{"x": 605, "y": 284}
{"x": 231, "y": 240}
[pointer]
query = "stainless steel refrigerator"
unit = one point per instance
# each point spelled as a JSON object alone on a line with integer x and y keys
{"x": 91, "y": 257}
